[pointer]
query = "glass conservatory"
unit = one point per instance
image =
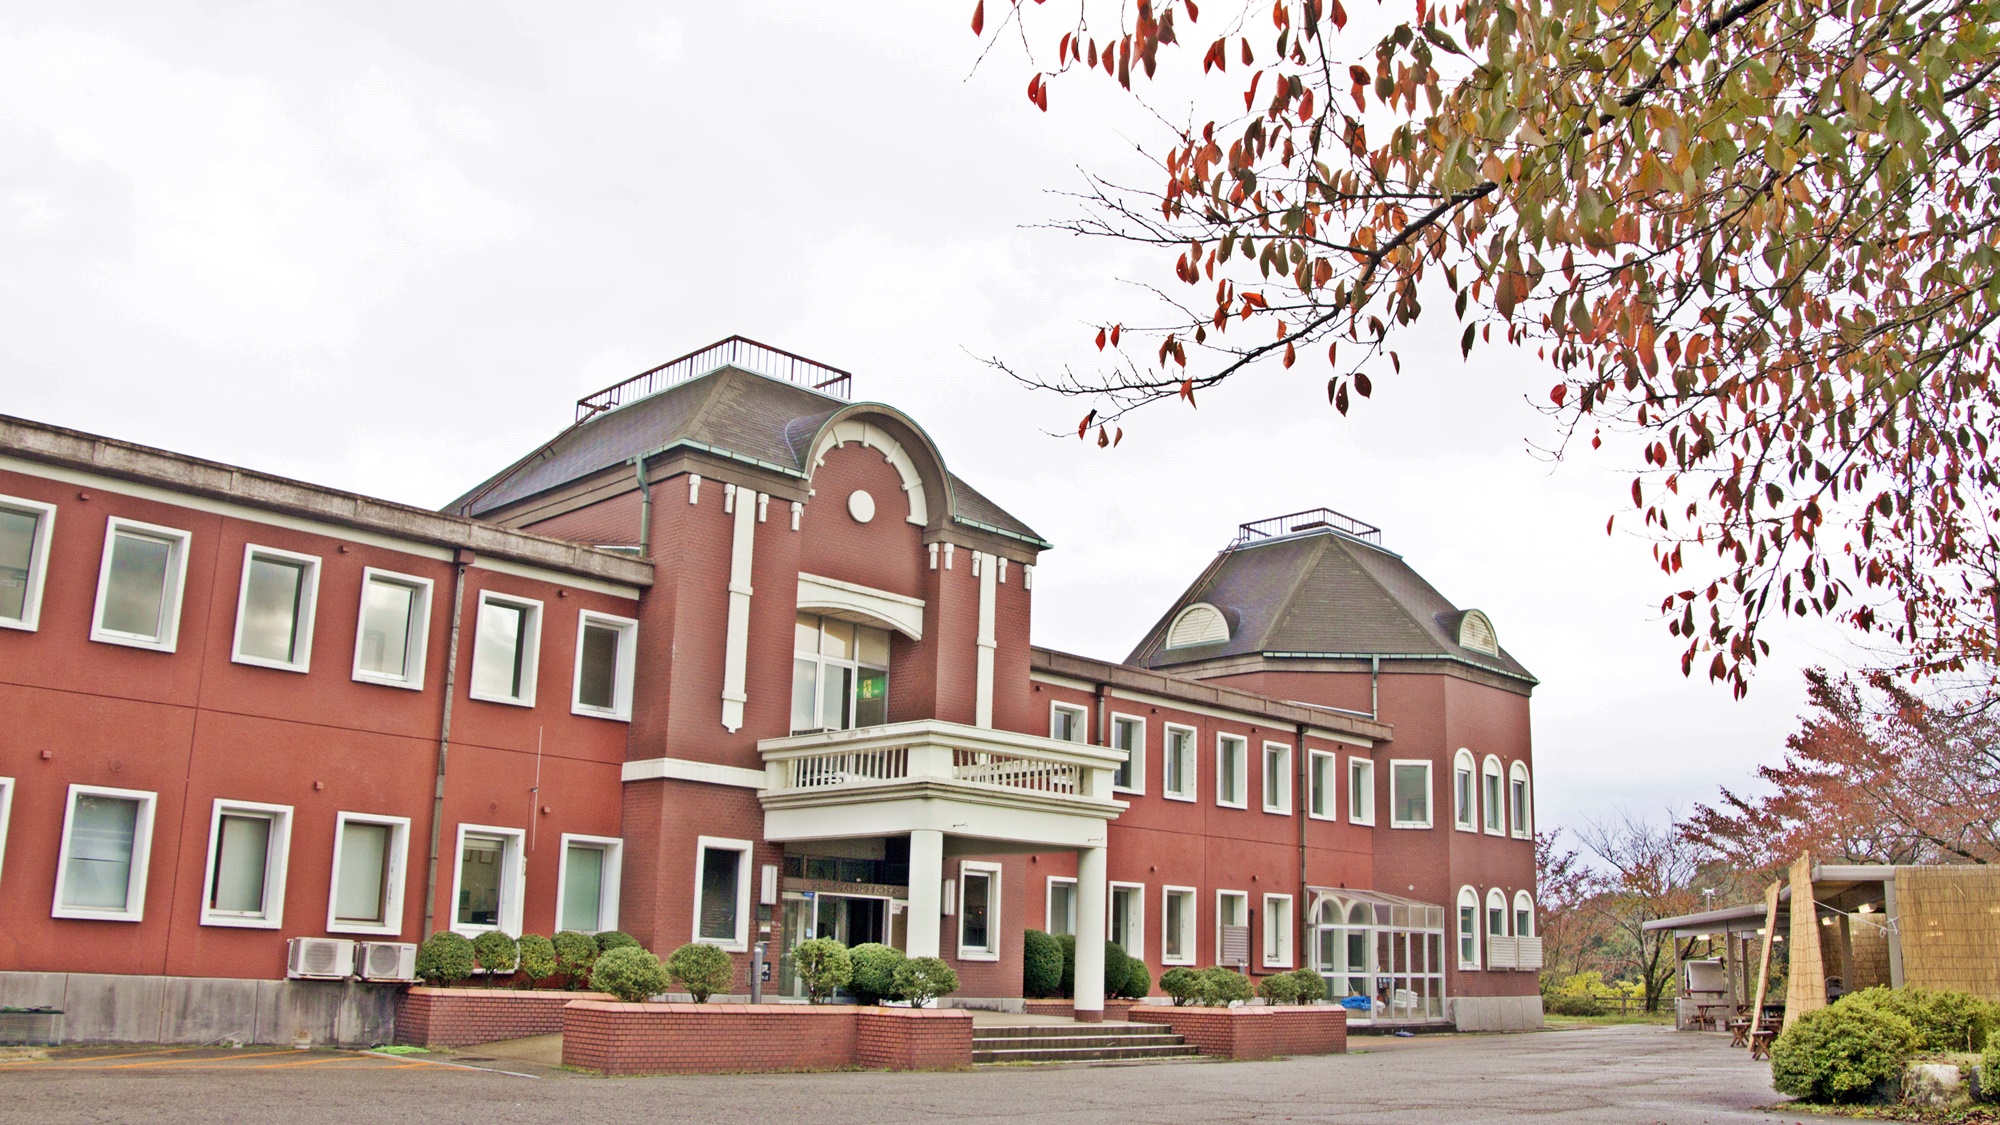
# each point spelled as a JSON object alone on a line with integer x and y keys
{"x": 1383, "y": 957}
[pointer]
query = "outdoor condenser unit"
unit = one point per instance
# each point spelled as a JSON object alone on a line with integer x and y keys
{"x": 385, "y": 960}
{"x": 318, "y": 958}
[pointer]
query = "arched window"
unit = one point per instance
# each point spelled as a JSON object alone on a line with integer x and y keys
{"x": 1496, "y": 813}
{"x": 1496, "y": 913}
{"x": 1524, "y": 915}
{"x": 1464, "y": 792}
{"x": 1468, "y": 928}
{"x": 1475, "y": 631}
{"x": 1198, "y": 624}
{"x": 1520, "y": 805}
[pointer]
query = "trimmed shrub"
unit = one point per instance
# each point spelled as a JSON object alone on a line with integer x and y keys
{"x": 1138, "y": 982}
{"x": 1280, "y": 988}
{"x": 923, "y": 979}
{"x": 874, "y": 971}
{"x": 1041, "y": 965}
{"x": 616, "y": 939}
{"x": 630, "y": 973}
{"x": 703, "y": 970}
{"x": 1312, "y": 986}
{"x": 496, "y": 952}
{"x": 1115, "y": 969}
{"x": 1839, "y": 1053}
{"x": 445, "y": 958}
{"x": 1184, "y": 985}
{"x": 575, "y": 954}
{"x": 823, "y": 966}
{"x": 538, "y": 959}
{"x": 1221, "y": 985}
{"x": 1945, "y": 1020}
{"x": 1067, "y": 988}
{"x": 1571, "y": 1004}
{"x": 1989, "y": 1068}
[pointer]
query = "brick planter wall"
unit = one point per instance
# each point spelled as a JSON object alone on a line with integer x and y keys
{"x": 615, "y": 1038}
{"x": 459, "y": 1017}
{"x": 913, "y": 1039}
{"x": 1254, "y": 1033}
{"x": 1052, "y": 1007}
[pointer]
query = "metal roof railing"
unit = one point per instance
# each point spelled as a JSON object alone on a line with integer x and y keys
{"x": 1298, "y": 523}
{"x": 736, "y": 351}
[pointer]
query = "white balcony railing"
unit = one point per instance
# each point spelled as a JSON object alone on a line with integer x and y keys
{"x": 937, "y": 753}
{"x": 1503, "y": 952}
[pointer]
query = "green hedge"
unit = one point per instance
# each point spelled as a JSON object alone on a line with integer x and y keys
{"x": 630, "y": 973}
{"x": 1945, "y": 1020}
{"x": 874, "y": 972}
{"x": 1041, "y": 965}
{"x": 1068, "y": 986}
{"x": 923, "y": 979}
{"x": 496, "y": 952}
{"x": 575, "y": 954}
{"x": 703, "y": 970}
{"x": 1840, "y": 1052}
{"x": 538, "y": 959}
{"x": 445, "y": 958}
{"x": 823, "y": 967}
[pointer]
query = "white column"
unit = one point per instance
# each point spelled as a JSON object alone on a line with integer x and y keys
{"x": 982, "y": 706}
{"x": 1092, "y": 873}
{"x": 926, "y": 893}
{"x": 736, "y": 642}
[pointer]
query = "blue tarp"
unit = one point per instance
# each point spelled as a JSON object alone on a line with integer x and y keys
{"x": 1358, "y": 1004}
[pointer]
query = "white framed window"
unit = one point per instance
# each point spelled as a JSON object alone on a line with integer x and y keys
{"x": 722, "y": 893}
{"x": 1060, "y": 914}
{"x": 587, "y": 883}
{"x": 1496, "y": 812}
{"x": 1360, "y": 791}
{"x": 1177, "y": 921}
{"x": 840, "y": 674}
{"x": 1524, "y": 914}
{"x": 1232, "y": 908}
{"x": 1277, "y": 931}
{"x": 1177, "y": 760}
{"x": 1409, "y": 793}
{"x": 1496, "y": 914}
{"x": 1464, "y": 793}
{"x": 1277, "y": 778}
{"x": 507, "y": 649}
{"x": 606, "y": 648}
{"x": 393, "y": 634}
{"x": 1125, "y": 921}
{"x": 1128, "y": 734}
{"x": 1520, "y": 802}
{"x": 489, "y": 880}
{"x": 1068, "y": 723}
{"x": 6, "y": 809}
{"x": 26, "y": 527}
{"x": 978, "y": 911}
{"x": 1322, "y": 775}
{"x": 107, "y": 840}
{"x": 139, "y": 585}
{"x": 248, "y": 848}
{"x": 1468, "y": 928}
{"x": 370, "y": 858}
{"x": 1231, "y": 771}
{"x": 274, "y": 609}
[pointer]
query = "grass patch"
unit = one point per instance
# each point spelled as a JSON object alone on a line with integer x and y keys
{"x": 1609, "y": 1019}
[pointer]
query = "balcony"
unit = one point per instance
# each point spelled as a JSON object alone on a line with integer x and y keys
{"x": 1514, "y": 953}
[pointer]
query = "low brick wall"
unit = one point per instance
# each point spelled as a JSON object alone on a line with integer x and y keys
{"x": 1254, "y": 1033}
{"x": 460, "y": 1017}
{"x": 1114, "y": 1009}
{"x": 615, "y": 1038}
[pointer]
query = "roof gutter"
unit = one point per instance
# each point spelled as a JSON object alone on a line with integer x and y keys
{"x": 1378, "y": 657}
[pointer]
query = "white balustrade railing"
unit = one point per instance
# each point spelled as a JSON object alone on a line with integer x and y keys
{"x": 1015, "y": 771}
{"x": 847, "y": 767}
{"x": 931, "y": 751}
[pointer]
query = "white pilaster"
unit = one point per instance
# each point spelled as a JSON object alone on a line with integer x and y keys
{"x": 927, "y": 895}
{"x": 1092, "y": 875}
{"x": 982, "y": 706}
{"x": 736, "y": 645}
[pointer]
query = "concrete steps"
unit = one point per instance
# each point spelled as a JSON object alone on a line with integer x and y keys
{"x": 1083, "y": 1042}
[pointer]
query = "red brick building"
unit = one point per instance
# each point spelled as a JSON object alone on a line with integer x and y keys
{"x": 730, "y": 659}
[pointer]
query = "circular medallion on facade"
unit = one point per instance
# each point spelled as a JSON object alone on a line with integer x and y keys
{"x": 861, "y": 506}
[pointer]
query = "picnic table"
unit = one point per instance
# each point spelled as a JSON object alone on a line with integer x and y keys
{"x": 1708, "y": 1014}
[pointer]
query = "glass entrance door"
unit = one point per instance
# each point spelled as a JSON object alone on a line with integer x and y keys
{"x": 849, "y": 919}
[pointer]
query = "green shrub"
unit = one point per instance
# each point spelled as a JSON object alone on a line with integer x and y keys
{"x": 1067, "y": 988}
{"x": 703, "y": 970}
{"x": 1946, "y": 1020}
{"x": 616, "y": 939}
{"x": 923, "y": 979}
{"x": 1138, "y": 982}
{"x": 1281, "y": 988}
{"x": 496, "y": 952}
{"x": 823, "y": 966}
{"x": 1839, "y": 1053}
{"x": 1571, "y": 1004}
{"x": 538, "y": 959}
{"x": 874, "y": 972}
{"x": 1184, "y": 985}
{"x": 445, "y": 958}
{"x": 1221, "y": 985}
{"x": 630, "y": 973}
{"x": 1041, "y": 965}
{"x": 1989, "y": 1068}
{"x": 1312, "y": 986}
{"x": 1115, "y": 968}
{"x": 575, "y": 953}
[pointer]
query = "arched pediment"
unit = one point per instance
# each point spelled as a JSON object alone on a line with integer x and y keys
{"x": 902, "y": 445}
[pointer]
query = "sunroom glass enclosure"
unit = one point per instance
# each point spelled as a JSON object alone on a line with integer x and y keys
{"x": 1383, "y": 957}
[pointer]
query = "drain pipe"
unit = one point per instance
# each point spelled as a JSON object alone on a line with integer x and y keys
{"x": 1303, "y": 800}
{"x": 645, "y": 508}
{"x": 1375, "y": 688}
{"x": 463, "y": 560}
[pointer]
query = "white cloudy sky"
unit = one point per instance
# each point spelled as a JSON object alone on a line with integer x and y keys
{"x": 385, "y": 246}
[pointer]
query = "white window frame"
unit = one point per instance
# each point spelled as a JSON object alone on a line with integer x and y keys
{"x": 613, "y": 848}
{"x": 1332, "y": 787}
{"x": 1524, "y": 903}
{"x": 1496, "y": 899}
{"x": 1284, "y": 934}
{"x": 38, "y": 561}
{"x": 1190, "y": 769}
{"x": 513, "y": 878}
{"x": 1464, "y": 813}
{"x": 1242, "y": 777}
{"x": 1081, "y": 726}
{"x": 991, "y": 950}
{"x": 416, "y": 645}
{"x": 1283, "y": 805}
{"x": 142, "y": 854}
{"x": 1495, "y": 803}
{"x": 1468, "y": 895}
{"x": 628, "y": 653}
{"x": 1430, "y": 794}
{"x": 1521, "y": 819}
{"x": 180, "y": 542}
{"x": 303, "y": 615}
{"x": 1361, "y": 792}
{"x": 395, "y": 876}
{"x": 1222, "y": 895}
{"x": 6, "y": 812}
{"x": 531, "y": 660}
{"x": 741, "y": 942}
{"x": 1049, "y": 901}
{"x": 1137, "y": 755}
{"x": 277, "y": 861}
{"x": 1138, "y": 923}
{"x": 1190, "y": 944}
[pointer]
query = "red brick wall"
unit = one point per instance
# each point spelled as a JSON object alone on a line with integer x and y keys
{"x": 906, "y": 1039}
{"x": 458, "y": 1017}
{"x": 708, "y": 1038}
{"x": 1253, "y": 1033}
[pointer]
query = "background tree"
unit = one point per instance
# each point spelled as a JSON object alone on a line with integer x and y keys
{"x": 1574, "y": 932}
{"x": 1649, "y": 872}
{"x": 1758, "y": 235}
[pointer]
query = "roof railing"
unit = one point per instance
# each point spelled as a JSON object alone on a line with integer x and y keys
{"x": 736, "y": 351}
{"x": 1298, "y": 523}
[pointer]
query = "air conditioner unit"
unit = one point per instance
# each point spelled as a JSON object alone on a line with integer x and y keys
{"x": 385, "y": 960}
{"x": 319, "y": 958}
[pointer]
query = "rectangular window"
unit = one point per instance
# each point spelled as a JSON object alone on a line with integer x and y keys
{"x": 247, "y": 849}
{"x": 1129, "y": 736}
{"x": 1232, "y": 921}
{"x": 1177, "y": 926}
{"x": 26, "y": 527}
{"x": 487, "y": 892}
{"x": 1277, "y": 931}
{"x": 1062, "y": 906}
{"x": 1322, "y": 777}
{"x": 1278, "y": 778}
{"x": 1496, "y": 815}
{"x": 1229, "y": 770}
{"x": 139, "y": 585}
{"x": 840, "y": 675}
{"x": 508, "y": 648}
{"x": 1462, "y": 797}
{"x": 1177, "y": 759}
{"x": 606, "y": 648}
{"x": 1067, "y": 723}
{"x": 587, "y": 884}
{"x": 1127, "y": 917}
{"x": 394, "y": 631}
{"x": 1409, "y": 794}
{"x": 368, "y": 864}
{"x": 274, "y": 609}
{"x": 722, "y": 893}
{"x": 1518, "y": 806}
{"x": 1468, "y": 936}
{"x": 1360, "y": 791}
{"x": 106, "y": 841}
{"x": 979, "y": 911}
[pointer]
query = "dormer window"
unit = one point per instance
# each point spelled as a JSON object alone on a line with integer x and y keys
{"x": 1475, "y": 631}
{"x": 1198, "y": 624}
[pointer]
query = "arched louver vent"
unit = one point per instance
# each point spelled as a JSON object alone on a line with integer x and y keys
{"x": 1476, "y": 633}
{"x": 1198, "y": 624}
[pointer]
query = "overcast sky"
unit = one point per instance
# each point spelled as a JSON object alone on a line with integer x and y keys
{"x": 385, "y": 246}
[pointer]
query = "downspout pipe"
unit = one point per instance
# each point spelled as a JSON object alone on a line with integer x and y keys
{"x": 1303, "y": 802}
{"x": 1375, "y": 688}
{"x": 462, "y": 562}
{"x": 645, "y": 508}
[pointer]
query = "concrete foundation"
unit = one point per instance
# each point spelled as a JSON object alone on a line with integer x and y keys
{"x": 1497, "y": 1013}
{"x": 99, "y": 1008}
